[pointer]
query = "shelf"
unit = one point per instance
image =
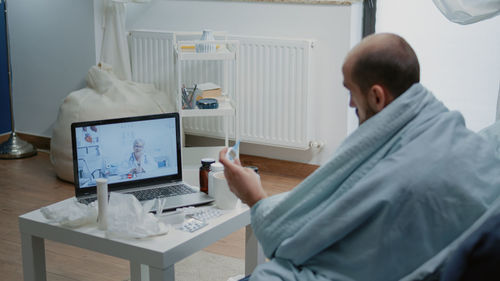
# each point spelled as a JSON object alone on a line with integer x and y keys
{"x": 226, "y": 51}
{"x": 225, "y": 109}
{"x": 221, "y": 54}
{"x": 186, "y": 50}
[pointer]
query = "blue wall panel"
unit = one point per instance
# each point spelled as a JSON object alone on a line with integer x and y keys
{"x": 5, "y": 123}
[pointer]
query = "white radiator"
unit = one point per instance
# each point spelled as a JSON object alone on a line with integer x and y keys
{"x": 152, "y": 58}
{"x": 272, "y": 93}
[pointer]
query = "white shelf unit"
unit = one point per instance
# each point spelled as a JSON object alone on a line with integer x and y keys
{"x": 225, "y": 109}
{"x": 188, "y": 52}
{"x": 226, "y": 52}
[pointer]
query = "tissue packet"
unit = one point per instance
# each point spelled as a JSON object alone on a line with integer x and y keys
{"x": 128, "y": 219}
{"x": 70, "y": 213}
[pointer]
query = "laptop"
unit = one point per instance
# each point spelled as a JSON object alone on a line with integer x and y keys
{"x": 140, "y": 155}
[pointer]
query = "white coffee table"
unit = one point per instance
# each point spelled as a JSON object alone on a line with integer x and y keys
{"x": 150, "y": 259}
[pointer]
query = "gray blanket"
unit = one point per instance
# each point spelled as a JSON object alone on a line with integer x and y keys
{"x": 398, "y": 190}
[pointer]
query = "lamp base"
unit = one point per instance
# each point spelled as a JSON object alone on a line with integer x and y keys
{"x": 15, "y": 148}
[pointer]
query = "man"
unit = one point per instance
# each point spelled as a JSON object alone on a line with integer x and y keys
{"x": 399, "y": 189}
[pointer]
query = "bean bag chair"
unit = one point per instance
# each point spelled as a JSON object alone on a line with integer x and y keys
{"x": 105, "y": 97}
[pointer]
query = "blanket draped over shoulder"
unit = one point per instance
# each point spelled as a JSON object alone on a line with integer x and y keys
{"x": 399, "y": 189}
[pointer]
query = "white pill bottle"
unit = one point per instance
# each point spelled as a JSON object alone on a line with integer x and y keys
{"x": 214, "y": 168}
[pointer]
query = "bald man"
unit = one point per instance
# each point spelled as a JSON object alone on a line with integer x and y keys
{"x": 398, "y": 191}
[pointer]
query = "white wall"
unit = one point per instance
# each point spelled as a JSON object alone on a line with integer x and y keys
{"x": 55, "y": 42}
{"x": 52, "y": 48}
{"x": 460, "y": 64}
{"x": 331, "y": 26}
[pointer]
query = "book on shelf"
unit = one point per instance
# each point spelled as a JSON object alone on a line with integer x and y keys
{"x": 209, "y": 90}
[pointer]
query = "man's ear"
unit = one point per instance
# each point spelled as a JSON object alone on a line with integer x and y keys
{"x": 379, "y": 97}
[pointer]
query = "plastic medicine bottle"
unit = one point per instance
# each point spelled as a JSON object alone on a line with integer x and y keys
{"x": 204, "y": 170}
{"x": 214, "y": 168}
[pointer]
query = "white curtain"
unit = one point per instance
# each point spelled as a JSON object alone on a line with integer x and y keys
{"x": 468, "y": 11}
{"x": 114, "y": 49}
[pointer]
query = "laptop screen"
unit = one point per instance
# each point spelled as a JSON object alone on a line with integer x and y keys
{"x": 129, "y": 152}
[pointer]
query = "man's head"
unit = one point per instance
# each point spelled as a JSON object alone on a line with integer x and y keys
{"x": 378, "y": 70}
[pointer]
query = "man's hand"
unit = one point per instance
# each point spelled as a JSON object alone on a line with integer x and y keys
{"x": 243, "y": 182}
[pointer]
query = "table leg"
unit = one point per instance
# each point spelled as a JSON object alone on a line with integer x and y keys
{"x": 254, "y": 255}
{"x": 139, "y": 272}
{"x": 33, "y": 251}
{"x": 161, "y": 274}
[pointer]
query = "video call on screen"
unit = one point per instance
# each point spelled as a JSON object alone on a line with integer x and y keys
{"x": 126, "y": 151}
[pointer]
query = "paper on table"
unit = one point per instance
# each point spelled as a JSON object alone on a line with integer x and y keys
{"x": 128, "y": 219}
{"x": 70, "y": 213}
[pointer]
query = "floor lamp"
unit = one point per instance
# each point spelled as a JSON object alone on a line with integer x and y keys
{"x": 14, "y": 147}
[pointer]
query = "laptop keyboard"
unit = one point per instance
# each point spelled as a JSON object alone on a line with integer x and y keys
{"x": 160, "y": 192}
{"x": 87, "y": 201}
{"x": 148, "y": 194}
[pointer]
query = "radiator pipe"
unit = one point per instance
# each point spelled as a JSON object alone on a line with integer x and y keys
{"x": 316, "y": 144}
{"x": 369, "y": 17}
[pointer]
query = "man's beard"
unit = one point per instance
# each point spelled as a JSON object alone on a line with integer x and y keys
{"x": 369, "y": 113}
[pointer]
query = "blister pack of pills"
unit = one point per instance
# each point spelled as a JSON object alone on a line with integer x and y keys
{"x": 191, "y": 225}
{"x": 202, "y": 214}
{"x": 207, "y": 214}
{"x": 198, "y": 217}
{"x": 187, "y": 210}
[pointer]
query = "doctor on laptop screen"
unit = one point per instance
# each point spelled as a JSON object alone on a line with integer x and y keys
{"x": 139, "y": 162}
{"x": 125, "y": 152}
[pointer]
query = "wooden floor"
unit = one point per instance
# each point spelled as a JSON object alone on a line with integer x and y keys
{"x": 30, "y": 183}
